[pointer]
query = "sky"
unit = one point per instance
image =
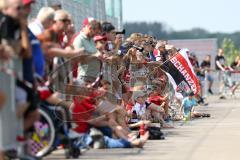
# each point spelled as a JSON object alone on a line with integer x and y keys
{"x": 212, "y": 15}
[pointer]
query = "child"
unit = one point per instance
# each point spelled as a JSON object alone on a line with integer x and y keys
{"x": 187, "y": 105}
{"x": 140, "y": 106}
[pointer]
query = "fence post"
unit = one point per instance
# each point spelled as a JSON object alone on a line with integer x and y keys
{"x": 10, "y": 125}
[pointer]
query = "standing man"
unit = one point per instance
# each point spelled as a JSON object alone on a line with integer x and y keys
{"x": 44, "y": 20}
{"x": 220, "y": 67}
{"x": 84, "y": 40}
{"x": 14, "y": 41}
{"x": 206, "y": 66}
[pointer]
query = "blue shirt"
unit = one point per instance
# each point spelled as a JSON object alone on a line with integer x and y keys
{"x": 188, "y": 104}
{"x": 37, "y": 54}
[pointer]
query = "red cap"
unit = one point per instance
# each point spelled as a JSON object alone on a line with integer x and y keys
{"x": 87, "y": 21}
{"x": 27, "y": 2}
{"x": 99, "y": 38}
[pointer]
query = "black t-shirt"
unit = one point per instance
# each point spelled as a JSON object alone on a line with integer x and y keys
{"x": 9, "y": 28}
{"x": 205, "y": 64}
{"x": 221, "y": 60}
{"x": 10, "y": 31}
{"x": 234, "y": 65}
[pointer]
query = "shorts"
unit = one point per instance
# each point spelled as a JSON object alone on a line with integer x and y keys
{"x": 20, "y": 95}
{"x": 30, "y": 96}
{"x": 201, "y": 80}
{"x": 209, "y": 78}
{"x": 187, "y": 111}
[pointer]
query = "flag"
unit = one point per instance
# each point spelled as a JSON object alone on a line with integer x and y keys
{"x": 181, "y": 74}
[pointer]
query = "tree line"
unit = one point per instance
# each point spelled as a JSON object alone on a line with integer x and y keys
{"x": 161, "y": 31}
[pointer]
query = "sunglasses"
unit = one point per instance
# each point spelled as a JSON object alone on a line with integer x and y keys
{"x": 65, "y": 20}
{"x": 113, "y": 32}
{"x": 19, "y": 7}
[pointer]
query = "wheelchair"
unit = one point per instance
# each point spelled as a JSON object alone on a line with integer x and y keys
{"x": 50, "y": 132}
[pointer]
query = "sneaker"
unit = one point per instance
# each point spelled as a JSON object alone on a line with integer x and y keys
{"x": 206, "y": 115}
{"x": 99, "y": 143}
{"x": 95, "y": 133}
{"x": 201, "y": 101}
{"x": 222, "y": 97}
{"x": 98, "y": 138}
{"x": 210, "y": 91}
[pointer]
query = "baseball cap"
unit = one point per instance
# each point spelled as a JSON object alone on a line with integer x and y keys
{"x": 107, "y": 27}
{"x": 27, "y": 2}
{"x": 88, "y": 21}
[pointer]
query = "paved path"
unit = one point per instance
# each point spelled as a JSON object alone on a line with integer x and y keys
{"x": 215, "y": 138}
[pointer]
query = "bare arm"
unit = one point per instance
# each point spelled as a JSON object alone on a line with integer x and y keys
{"x": 59, "y": 52}
{"x": 220, "y": 66}
{"x": 26, "y": 46}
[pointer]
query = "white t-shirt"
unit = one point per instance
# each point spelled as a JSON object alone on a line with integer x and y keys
{"x": 36, "y": 27}
{"x": 140, "y": 109}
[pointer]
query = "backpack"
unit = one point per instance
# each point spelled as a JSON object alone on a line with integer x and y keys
{"x": 155, "y": 133}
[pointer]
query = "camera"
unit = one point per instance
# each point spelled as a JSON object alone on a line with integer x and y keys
{"x": 140, "y": 49}
{"x": 121, "y": 32}
{"x": 126, "y": 46}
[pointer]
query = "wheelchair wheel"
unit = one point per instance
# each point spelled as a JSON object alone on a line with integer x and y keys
{"x": 42, "y": 138}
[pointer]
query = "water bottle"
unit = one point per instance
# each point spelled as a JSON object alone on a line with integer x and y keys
{"x": 142, "y": 129}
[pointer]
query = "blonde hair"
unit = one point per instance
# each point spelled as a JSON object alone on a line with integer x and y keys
{"x": 59, "y": 14}
{"x": 2, "y": 4}
{"x": 45, "y": 13}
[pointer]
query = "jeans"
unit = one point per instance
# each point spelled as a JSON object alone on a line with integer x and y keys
{"x": 116, "y": 143}
{"x": 86, "y": 140}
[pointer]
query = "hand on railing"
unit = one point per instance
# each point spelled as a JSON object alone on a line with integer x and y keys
{"x": 6, "y": 52}
{"x": 2, "y": 100}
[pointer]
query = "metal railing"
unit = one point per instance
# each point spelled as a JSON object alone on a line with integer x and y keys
{"x": 10, "y": 126}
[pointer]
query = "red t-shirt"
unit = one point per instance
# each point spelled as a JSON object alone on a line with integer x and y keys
{"x": 82, "y": 112}
{"x": 129, "y": 106}
{"x": 156, "y": 100}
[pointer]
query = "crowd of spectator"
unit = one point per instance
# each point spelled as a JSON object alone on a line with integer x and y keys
{"x": 111, "y": 85}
